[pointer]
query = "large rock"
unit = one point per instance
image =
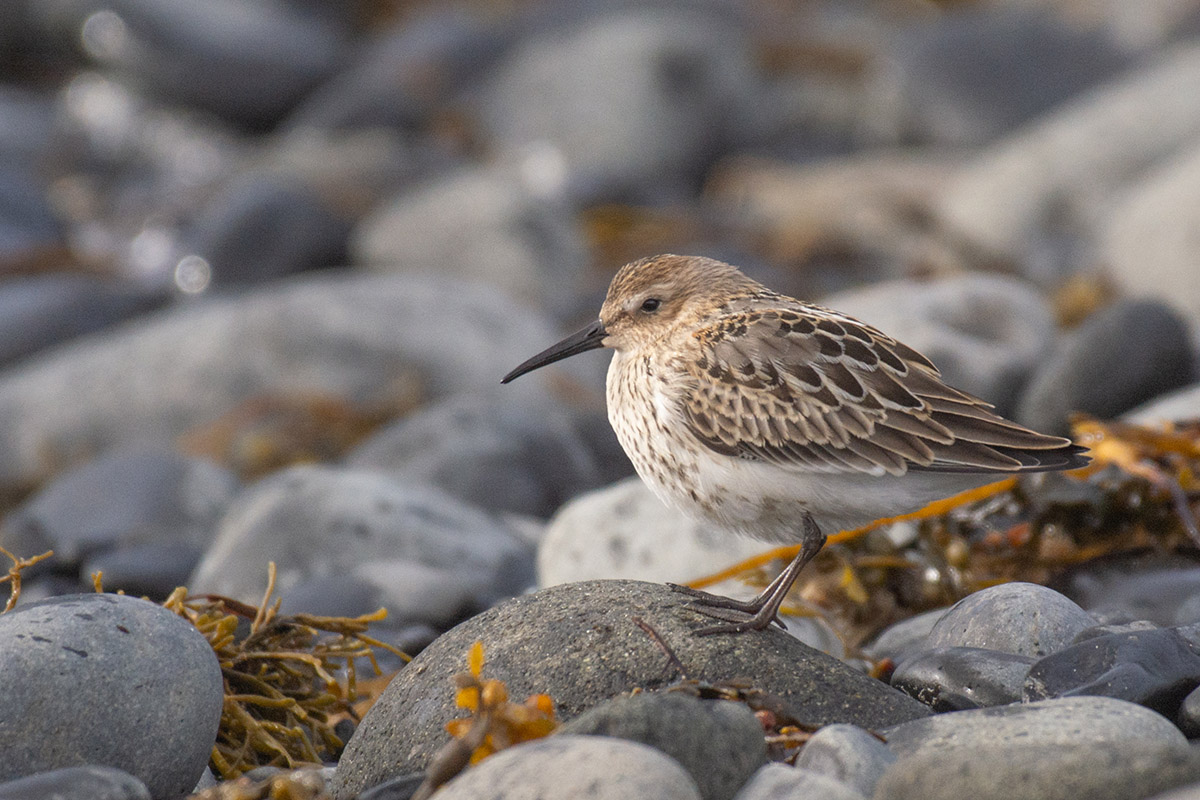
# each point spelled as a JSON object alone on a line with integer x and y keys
{"x": 583, "y": 643}
{"x": 349, "y": 337}
{"x": 108, "y": 680}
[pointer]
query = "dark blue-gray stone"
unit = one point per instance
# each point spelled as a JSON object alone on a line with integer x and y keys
{"x": 955, "y": 678}
{"x": 112, "y": 680}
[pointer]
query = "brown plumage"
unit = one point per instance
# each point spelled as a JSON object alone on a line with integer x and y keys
{"x": 775, "y": 418}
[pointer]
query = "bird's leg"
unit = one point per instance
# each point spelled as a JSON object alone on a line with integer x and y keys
{"x": 754, "y": 615}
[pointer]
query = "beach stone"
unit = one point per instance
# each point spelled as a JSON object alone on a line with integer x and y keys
{"x": 497, "y": 455}
{"x": 153, "y": 570}
{"x": 1168, "y": 407}
{"x": 955, "y": 678}
{"x": 1019, "y": 618}
{"x": 587, "y": 767}
{"x": 780, "y": 782}
{"x": 628, "y": 99}
{"x": 1150, "y": 586}
{"x": 129, "y": 497}
{"x": 76, "y": 783}
{"x": 848, "y": 754}
{"x": 250, "y": 64}
{"x": 580, "y": 643}
{"x": 965, "y": 78}
{"x": 985, "y": 333}
{"x": 1062, "y": 171}
{"x": 1188, "y": 715}
{"x": 1149, "y": 234}
{"x": 345, "y": 337}
{"x": 624, "y": 531}
{"x": 260, "y": 226}
{"x": 905, "y": 638}
{"x": 1154, "y": 668}
{"x": 110, "y": 680}
{"x": 430, "y": 555}
{"x": 1120, "y": 356}
{"x": 720, "y": 743}
{"x": 40, "y": 311}
{"x": 488, "y": 224}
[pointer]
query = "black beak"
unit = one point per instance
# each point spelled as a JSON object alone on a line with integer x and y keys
{"x": 589, "y": 338}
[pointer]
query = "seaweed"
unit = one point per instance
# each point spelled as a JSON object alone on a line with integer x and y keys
{"x": 13, "y": 576}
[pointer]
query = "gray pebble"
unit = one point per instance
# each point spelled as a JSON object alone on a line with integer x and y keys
{"x": 781, "y": 782}
{"x": 848, "y": 754}
{"x": 76, "y": 783}
{"x": 108, "y": 679}
{"x": 956, "y": 678}
{"x": 1019, "y": 618}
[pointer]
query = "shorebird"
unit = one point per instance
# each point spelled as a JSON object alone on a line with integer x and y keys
{"x": 779, "y": 419}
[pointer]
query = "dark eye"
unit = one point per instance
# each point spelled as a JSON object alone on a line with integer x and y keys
{"x": 651, "y": 304}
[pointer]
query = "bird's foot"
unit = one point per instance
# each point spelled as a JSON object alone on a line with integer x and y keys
{"x": 738, "y": 616}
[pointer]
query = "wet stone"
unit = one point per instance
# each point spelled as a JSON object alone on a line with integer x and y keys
{"x": 1018, "y": 618}
{"x": 140, "y": 686}
{"x": 956, "y": 678}
{"x": 581, "y": 644}
{"x": 1154, "y": 668}
{"x": 720, "y": 743}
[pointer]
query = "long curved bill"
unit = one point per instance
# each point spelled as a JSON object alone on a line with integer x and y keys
{"x": 589, "y": 338}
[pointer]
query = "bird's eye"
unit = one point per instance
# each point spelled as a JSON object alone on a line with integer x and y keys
{"x": 651, "y": 304}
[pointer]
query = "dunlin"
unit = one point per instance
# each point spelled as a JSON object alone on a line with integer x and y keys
{"x": 779, "y": 419}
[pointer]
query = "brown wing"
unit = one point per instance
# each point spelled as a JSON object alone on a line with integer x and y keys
{"x": 809, "y": 388}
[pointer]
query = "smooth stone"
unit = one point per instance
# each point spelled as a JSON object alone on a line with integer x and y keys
{"x": 956, "y": 678}
{"x": 1152, "y": 586}
{"x": 720, "y": 743}
{"x": 489, "y": 224}
{"x": 581, "y": 644}
{"x": 402, "y": 787}
{"x": 848, "y": 754}
{"x": 496, "y": 455}
{"x": 428, "y": 554}
{"x": 127, "y": 497}
{"x": 1062, "y": 171}
{"x": 1016, "y": 770}
{"x": 905, "y": 638}
{"x": 154, "y": 569}
{"x": 626, "y": 100}
{"x": 1153, "y": 668}
{"x": 1072, "y": 722}
{"x": 44, "y": 310}
{"x": 624, "y": 531}
{"x": 986, "y": 333}
{"x": 1119, "y": 357}
{"x": 251, "y": 63}
{"x": 140, "y": 686}
{"x": 76, "y": 783}
{"x": 963, "y": 79}
{"x": 1188, "y": 716}
{"x": 1179, "y": 404}
{"x": 344, "y": 336}
{"x": 1146, "y": 244}
{"x": 259, "y": 227}
{"x": 781, "y": 782}
{"x": 584, "y": 767}
{"x": 401, "y": 76}
{"x": 1019, "y": 618}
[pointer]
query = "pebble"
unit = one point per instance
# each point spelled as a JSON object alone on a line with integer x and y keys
{"x": 1019, "y": 618}
{"x": 1117, "y": 358}
{"x": 986, "y": 333}
{"x": 497, "y": 455}
{"x": 76, "y": 783}
{"x": 586, "y": 767}
{"x": 1180, "y": 404}
{"x": 719, "y": 742}
{"x": 581, "y": 644}
{"x": 130, "y": 498}
{"x": 624, "y": 531}
{"x": 956, "y": 678}
{"x": 430, "y": 556}
{"x": 901, "y": 640}
{"x": 1155, "y": 668}
{"x": 1149, "y": 586}
{"x": 114, "y": 680}
{"x": 781, "y": 782}
{"x": 847, "y": 754}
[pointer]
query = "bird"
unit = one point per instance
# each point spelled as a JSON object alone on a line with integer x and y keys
{"x": 779, "y": 419}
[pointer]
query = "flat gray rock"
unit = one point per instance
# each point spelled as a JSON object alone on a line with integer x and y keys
{"x": 581, "y": 644}
{"x": 108, "y": 679}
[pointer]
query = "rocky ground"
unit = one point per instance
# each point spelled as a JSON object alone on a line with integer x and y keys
{"x": 263, "y": 264}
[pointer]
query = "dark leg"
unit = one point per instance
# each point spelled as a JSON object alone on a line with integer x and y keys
{"x": 755, "y": 615}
